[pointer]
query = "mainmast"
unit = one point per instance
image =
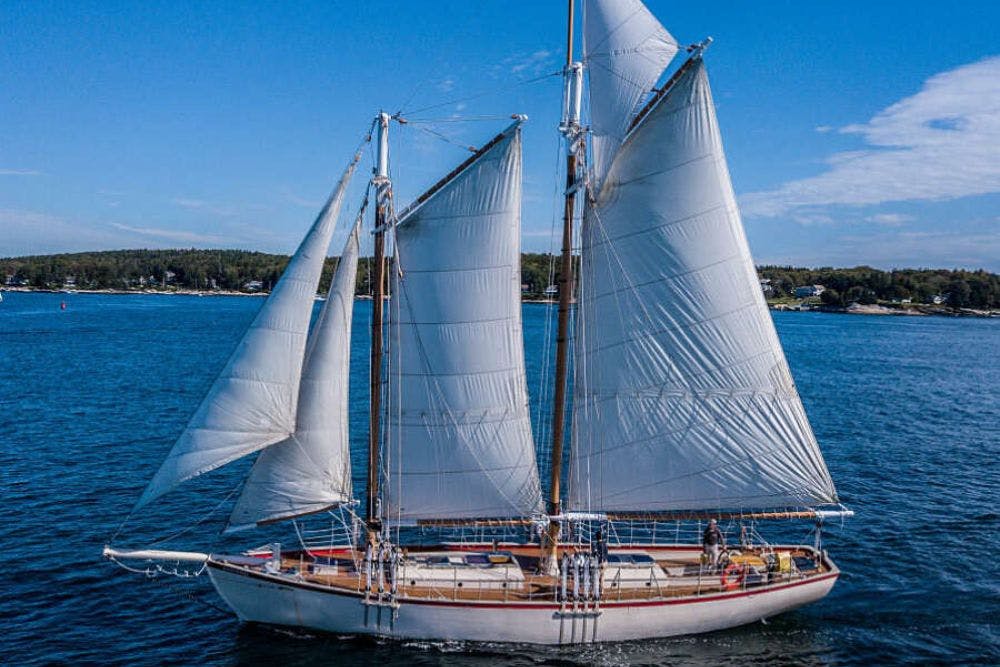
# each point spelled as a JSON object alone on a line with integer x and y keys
{"x": 570, "y": 128}
{"x": 382, "y": 192}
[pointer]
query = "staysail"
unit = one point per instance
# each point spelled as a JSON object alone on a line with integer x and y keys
{"x": 252, "y": 404}
{"x": 458, "y": 434}
{"x": 626, "y": 49}
{"x": 311, "y": 470}
{"x": 683, "y": 398}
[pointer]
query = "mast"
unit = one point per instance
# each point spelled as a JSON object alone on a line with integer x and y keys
{"x": 382, "y": 185}
{"x": 570, "y": 127}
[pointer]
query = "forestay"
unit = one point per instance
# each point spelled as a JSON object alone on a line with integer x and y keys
{"x": 311, "y": 470}
{"x": 625, "y": 50}
{"x": 252, "y": 403}
{"x": 683, "y": 398}
{"x": 459, "y": 441}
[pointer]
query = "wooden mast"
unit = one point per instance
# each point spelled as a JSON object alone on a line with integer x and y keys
{"x": 381, "y": 182}
{"x": 570, "y": 127}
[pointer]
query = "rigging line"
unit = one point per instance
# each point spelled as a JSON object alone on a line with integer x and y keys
{"x": 491, "y": 91}
{"x": 446, "y": 410}
{"x": 547, "y": 337}
{"x": 453, "y": 119}
{"x": 184, "y": 530}
{"x": 625, "y": 79}
{"x": 200, "y": 521}
{"x": 613, "y": 252}
{"x": 447, "y": 139}
{"x": 440, "y": 399}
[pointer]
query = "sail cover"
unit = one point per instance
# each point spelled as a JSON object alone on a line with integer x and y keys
{"x": 252, "y": 403}
{"x": 683, "y": 398}
{"x": 459, "y": 441}
{"x": 625, "y": 51}
{"x": 311, "y": 470}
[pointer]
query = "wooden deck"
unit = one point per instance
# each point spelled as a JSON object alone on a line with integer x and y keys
{"x": 681, "y": 576}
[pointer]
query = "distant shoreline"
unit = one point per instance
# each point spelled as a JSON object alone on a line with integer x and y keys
{"x": 915, "y": 310}
{"x": 126, "y": 292}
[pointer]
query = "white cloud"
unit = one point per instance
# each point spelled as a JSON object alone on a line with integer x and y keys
{"x": 20, "y": 172}
{"x": 942, "y": 143}
{"x": 37, "y": 233}
{"x": 920, "y": 249}
{"x": 286, "y": 194}
{"x": 218, "y": 210}
{"x": 889, "y": 219}
{"x": 204, "y": 206}
{"x": 534, "y": 63}
{"x": 170, "y": 234}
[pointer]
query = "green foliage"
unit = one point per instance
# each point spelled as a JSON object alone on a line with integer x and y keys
{"x": 959, "y": 288}
{"x": 233, "y": 269}
{"x": 157, "y": 269}
{"x": 832, "y": 297}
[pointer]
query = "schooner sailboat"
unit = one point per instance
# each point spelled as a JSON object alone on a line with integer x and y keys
{"x": 681, "y": 407}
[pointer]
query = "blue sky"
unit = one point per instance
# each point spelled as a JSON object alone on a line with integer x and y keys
{"x": 857, "y": 132}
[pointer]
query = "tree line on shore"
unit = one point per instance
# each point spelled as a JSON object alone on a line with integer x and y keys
{"x": 246, "y": 271}
{"x": 957, "y": 288}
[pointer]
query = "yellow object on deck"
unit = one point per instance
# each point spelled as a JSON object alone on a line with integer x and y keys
{"x": 784, "y": 561}
{"x": 748, "y": 559}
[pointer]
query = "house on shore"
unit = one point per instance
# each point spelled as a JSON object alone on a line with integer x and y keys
{"x": 806, "y": 291}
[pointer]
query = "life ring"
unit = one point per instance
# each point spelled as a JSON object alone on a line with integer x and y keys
{"x": 740, "y": 572}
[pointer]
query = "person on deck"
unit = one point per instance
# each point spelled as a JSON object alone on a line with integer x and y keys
{"x": 599, "y": 547}
{"x": 713, "y": 541}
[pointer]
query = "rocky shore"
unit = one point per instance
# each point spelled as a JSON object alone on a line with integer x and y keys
{"x": 880, "y": 309}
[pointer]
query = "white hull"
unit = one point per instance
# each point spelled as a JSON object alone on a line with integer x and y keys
{"x": 275, "y": 600}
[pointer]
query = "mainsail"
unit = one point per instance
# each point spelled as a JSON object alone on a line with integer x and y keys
{"x": 683, "y": 398}
{"x": 626, "y": 51}
{"x": 457, "y": 394}
{"x": 311, "y": 470}
{"x": 252, "y": 404}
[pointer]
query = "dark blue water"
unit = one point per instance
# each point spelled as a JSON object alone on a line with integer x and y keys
{"x": 907, "y": 411}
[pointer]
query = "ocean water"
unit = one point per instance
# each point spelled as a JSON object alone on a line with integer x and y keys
{"x": 907, "y": 411}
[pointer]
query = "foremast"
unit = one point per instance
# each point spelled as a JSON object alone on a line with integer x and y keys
{"x": 572, "y": 131}
{"x": 383, "y": 186}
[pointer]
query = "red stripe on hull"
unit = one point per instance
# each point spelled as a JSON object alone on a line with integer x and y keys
{"x": 521, "y": 605}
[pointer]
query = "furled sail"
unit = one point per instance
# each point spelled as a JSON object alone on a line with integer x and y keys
{"x": 311, "y": 470}
{"x": 252, "y": 403}
{"x": 625, "y": 51}
{"x": 683, "y": 398}
{"x": 458, "y": 436}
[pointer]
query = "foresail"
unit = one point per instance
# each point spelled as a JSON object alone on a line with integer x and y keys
{"x": 458, "y": 436}
{"x": 683, "y": 398}
{"x": 252, "y": 403}
{"x": 311, "y": 470}
{"x": 625, "y": 52}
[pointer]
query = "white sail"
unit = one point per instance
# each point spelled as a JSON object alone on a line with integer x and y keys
{"x": 683, "y": 398}
{"x": 252, "y": 403}
{"x": 625, "y": 52}
{"x": 311, "y": 470}
{"x": 458, "y": 433}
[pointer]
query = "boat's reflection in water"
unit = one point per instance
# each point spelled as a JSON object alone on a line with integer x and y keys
{"x": 793, "y": 639}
